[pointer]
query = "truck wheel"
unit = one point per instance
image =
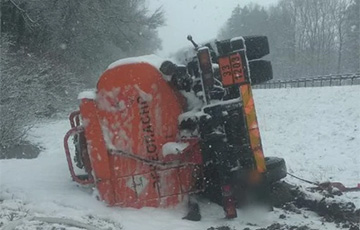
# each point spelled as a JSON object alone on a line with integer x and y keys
{"x": 261, "y": 71}
{"x": 276, "y": 169}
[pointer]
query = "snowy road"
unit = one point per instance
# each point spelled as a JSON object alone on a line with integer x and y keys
{"x": 316, "y": 130}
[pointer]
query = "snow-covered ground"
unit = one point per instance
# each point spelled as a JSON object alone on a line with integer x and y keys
{"x": 316, "y": 130}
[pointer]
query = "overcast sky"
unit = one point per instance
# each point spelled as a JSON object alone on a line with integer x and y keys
{"x": 200, "y": 18}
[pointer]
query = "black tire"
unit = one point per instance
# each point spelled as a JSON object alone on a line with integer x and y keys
{"x": 276, "y": 169}
{"x": 260, "y": 71}
{"x": 256, "y": 47}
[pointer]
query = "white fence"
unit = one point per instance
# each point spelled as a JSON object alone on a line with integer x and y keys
{"x": 317, "y": 81}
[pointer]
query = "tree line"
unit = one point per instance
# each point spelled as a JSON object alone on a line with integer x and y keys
{"x": 307, "y": 37}
{"x": 51, "y": 49}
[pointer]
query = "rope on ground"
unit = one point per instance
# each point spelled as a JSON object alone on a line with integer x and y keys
{"x": 307, "y": 181}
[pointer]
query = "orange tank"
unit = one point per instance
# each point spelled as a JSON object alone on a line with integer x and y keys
{"x": 133, "y": 115}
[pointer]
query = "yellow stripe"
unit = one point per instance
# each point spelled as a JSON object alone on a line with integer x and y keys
{"x": 252, "y": 124}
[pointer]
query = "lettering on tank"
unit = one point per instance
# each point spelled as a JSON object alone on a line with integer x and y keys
{"x": 149, "y": 136}
{"x": 147, "y": 127}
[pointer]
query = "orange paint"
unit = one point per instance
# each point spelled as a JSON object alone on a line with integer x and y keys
{"x": 136, "y": 111}
{"x": 252, "y": 124}
{"x": 226, "y": 71}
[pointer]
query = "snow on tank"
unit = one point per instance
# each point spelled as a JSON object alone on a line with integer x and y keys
{"x": 151, "y": 59}
{"x": 87, "y": 94}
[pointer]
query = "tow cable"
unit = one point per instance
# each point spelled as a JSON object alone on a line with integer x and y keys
{"x": 328, "y": 186}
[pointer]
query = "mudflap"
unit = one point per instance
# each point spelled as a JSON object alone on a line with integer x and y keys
{"x": 259, "y": 193}
{"x": 245, "y": 192}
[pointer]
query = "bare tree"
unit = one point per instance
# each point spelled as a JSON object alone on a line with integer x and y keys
{"x": 307, "y": 37}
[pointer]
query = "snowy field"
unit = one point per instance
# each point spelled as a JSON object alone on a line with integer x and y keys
{"x": 316, "y": 130}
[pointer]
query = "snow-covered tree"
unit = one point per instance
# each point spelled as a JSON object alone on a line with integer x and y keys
{"x": 50, "y": 49}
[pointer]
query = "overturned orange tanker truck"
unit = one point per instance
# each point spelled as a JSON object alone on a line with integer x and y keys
{"x": 154, "y": 132}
